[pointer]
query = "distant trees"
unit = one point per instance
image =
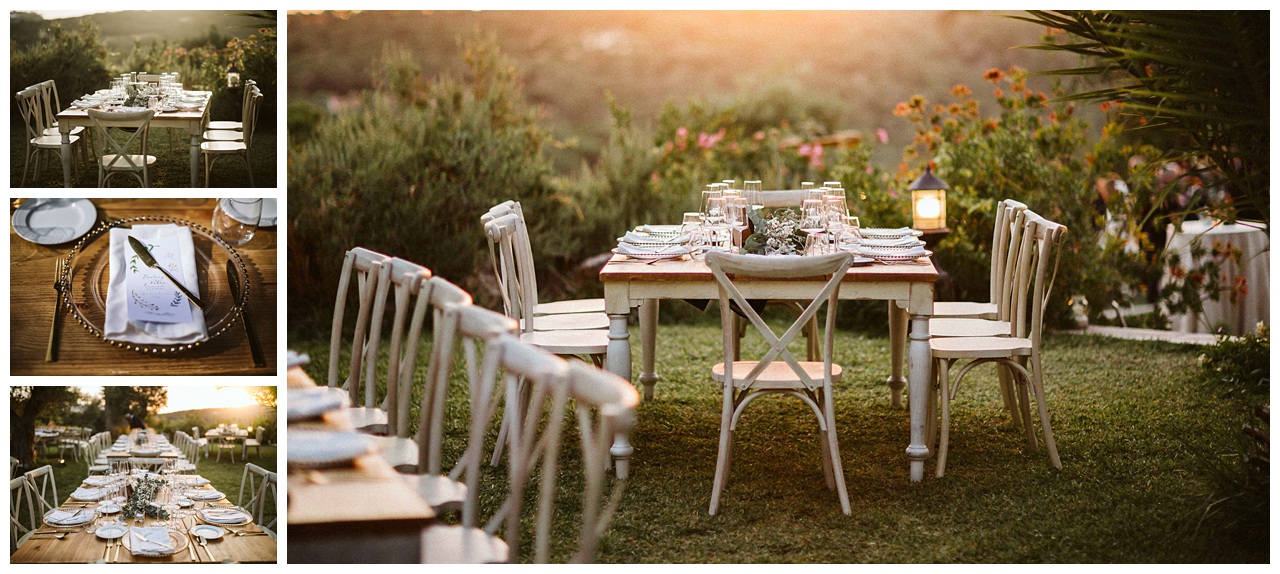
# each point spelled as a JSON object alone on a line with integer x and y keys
{"x": 26, "y": 407}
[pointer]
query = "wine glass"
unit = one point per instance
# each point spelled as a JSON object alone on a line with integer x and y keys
{"x": 736, "y": 217}
{"x": 690, "y": 220}
{"x": 712, "y": 192}
{"x": 813, "y": 216}
{"x": 715, "y": 211}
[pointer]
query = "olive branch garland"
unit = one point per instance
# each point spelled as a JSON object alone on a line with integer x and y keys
{"x": 140, "y": 500}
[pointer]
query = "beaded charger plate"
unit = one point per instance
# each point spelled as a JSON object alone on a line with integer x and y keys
{"x": 89, "y": 275}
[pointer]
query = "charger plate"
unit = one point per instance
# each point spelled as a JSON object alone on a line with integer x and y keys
{"x": 89, "y": 275}
{"x": 178, "y": 539}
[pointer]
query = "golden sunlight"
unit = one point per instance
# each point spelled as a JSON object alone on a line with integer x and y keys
{"x": 192, "y": 398}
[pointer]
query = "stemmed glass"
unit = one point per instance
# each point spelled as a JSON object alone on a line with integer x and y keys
{"x": 813, "y": 220}
{"x": 708, "y": 195}
{"x": 736, "y": 217}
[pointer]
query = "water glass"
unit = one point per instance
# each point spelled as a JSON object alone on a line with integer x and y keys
{"x": 236, "y": 219}
{"x": 690, "y": 220}
{"x": 813, "y": 216}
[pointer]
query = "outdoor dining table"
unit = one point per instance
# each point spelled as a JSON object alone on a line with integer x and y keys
{"x": 908, "y": 287}
{"x": 361, "y": 513}
{"x": 79, "y": 546}
{"x": 193, "y": 121}
{"x": 32, "y": 300}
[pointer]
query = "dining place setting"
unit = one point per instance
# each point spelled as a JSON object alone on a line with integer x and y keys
{"x": 155, "y": 286}
{"x": 144, "y": 503}
{"x": 129, "y": 93}
{"x": 814, "y": 220}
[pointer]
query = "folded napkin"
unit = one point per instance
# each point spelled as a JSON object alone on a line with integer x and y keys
{"x": 118, "y": 326}
{"x": 629, "y": 249}
{"x": 126, "y": 109}
{"x": 67, "y": 516}
{"x": 204, "y": 494}
{"x": 152, "y": 540}
{"x": 661, "y": 229}
{"x": 879, "y": 253}
{"x": 225, "y": 515}
{"x": 907, "y": 241}
{"x": 633, "y": 237}
{"x": 198, "y": 481}
{"x": 98, "y": 480}
{"x": 898, "y": 231}
{"x": 87, "y": 494}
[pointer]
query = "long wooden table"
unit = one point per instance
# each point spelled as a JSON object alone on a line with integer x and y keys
{"x": 362, "y": 514}
{"x": 32, "y": 302}
{"x": 907, "y": 287}
{"x": 81, "y": 547}
{"x": 192, "y": 121}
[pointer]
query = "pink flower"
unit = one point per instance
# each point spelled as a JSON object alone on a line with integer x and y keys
{"x": 805, "y": 150}
{"x": 682, "y": 132}
{"x": 703, "y": 140}
{"x": 815, "y": 158}
{"x": 870, "y": 171}
{"x": 759, "y": 135}
{"x": 709, "y": 140}
{"x": 882, "y": 135}
{"x": 653, "y": 177}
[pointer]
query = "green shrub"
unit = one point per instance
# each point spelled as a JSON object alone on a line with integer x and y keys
{"x": 76, "y": 60}
{"x": 1240, "y": 363}
{"x": 410, "y": 170}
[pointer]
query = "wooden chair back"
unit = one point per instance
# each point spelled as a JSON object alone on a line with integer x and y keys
{"x": 49, "y": 102}
{"x": 22, "y": 514}
{"x": 724, "y": 265}
{"x": 779, "y": 198}
{"x": 513, "y": 266}
{"x": 1007, "y": 283}
{"x": 137, "y": 124}
{"x": 368, "y": 267}
{"x": 1041, "y": 258}
{"x": 260, "y": 483}
{"x": 44, "y": 489}
{"x": 29, "y": 105}
{"x": 539, "y": 389}
{"x": 472, "y": 326}
{"x": 250, "y": 121}
{"x": 413, "y": 287}
{"x": 1006, "y": 211}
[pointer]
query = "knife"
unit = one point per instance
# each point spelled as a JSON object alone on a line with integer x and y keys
{"x": 150, "y": 261}
{"x": 233, "y": 279}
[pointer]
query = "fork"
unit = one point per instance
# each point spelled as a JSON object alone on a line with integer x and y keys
{"x": 59, "y": 283}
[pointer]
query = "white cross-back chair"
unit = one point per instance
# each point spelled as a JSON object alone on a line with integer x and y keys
{"x": 471, "y": 326}
{"x": 519, "y": 299}
{"x": 778, "y": 371}
{"x": 1020, "y": 354}
{"x": 261, "y": 485}
{"x": 22, "y": 514}
{"x": 999, "y": 325}
{"x": 543, "y": 393}
{"x": 30, "y": 106}
{"x": 254, "y": 442}
{"x": 372, "y": 271}
{"x": 415, "y": 293}
{"x": 115, "y": 157}
{"x": 1001, "y": 238}
{"x": 201, "y": 441}
{"x": 513, "y": 267}
{"x": 52, "y": 105}
{"x": 44, "y": 489}
{"x": 95, "y": 461}
{"x": 550, "y": 308}
{"x": 212, "y": 150}
{"x": 249, "y": 86}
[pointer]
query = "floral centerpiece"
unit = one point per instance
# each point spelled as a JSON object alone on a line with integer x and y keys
{"x": 142, "y": 498}
{"x": 777, "y": 234}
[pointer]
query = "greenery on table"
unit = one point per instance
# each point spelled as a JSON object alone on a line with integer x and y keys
{"x": 1135, "y": 423}
{"x": 143, "y": 492}
{"x": 778, "y": 233}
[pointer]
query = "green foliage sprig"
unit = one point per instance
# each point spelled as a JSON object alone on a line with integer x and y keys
{"x": 777, "y": 234}
{"x": 143, "y": 493}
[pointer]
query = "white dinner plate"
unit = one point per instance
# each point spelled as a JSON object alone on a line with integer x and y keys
{"x": 268, "y": 218}
{"x": 208, "y": 531}
{"x": 111, "y": 531}
{"x": 185, "y": 503}
{"x": 883, "y": 233}
{"x": 318, "y": 448}
{"x": 308, "y": 403}
{"x": 675, "y": 253}
{"x": 50, "y": 221}
{"x": 109, "y": 508}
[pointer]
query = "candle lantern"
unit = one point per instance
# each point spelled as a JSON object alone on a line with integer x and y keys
{"x": 928, "y": 202}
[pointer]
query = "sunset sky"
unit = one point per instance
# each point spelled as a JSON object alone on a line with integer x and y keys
{"x": 189, "y": 398}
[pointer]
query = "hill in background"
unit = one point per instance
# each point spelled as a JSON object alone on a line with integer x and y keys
{"x": 119, "y": 30}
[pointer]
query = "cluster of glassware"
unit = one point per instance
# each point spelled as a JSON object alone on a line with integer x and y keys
{"x": 172, "y": 497}
{"x": 725, "y": 216}
{"x": 132, "y": 90}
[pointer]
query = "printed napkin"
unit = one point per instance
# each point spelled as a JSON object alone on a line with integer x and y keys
{"x": 225, "y": 515}
{"x": 118, "y": 325}
{"x": 151, "y": 540}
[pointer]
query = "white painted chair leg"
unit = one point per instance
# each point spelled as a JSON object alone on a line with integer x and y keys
{"x": 944, "y": 386}
{"x": 1037, "y": 385}
{"x": 722, "y": 457}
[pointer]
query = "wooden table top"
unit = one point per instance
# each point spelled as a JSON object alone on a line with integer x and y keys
{"x": 621, "y": 268}
{"x": 81, "y": 547}
{"x": 32, "y": 301}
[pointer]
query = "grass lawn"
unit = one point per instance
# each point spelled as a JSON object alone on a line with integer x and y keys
{"x": 1133, "y": 422}
{"x": 172, "y": 168}
{"x": 224, "y": 475}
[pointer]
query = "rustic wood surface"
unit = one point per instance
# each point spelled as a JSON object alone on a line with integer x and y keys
{"x": 32, "y": 302}
{"x": 81, "y": 547}
{"x": 621, "y": 268}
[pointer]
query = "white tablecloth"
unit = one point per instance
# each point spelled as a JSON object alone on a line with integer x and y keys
{"x": 1237, "y": 318}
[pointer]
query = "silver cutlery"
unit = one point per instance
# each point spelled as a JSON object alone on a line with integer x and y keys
{"x": 204, "y": 544}
{"x": 59, "y": 284}
{"x": 233, "y": 280}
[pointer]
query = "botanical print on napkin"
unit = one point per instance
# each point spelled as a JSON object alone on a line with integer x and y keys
{"x": 152, "y": 297}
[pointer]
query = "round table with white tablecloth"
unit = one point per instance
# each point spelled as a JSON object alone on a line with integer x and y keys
{"x": 1250, "y": 307}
